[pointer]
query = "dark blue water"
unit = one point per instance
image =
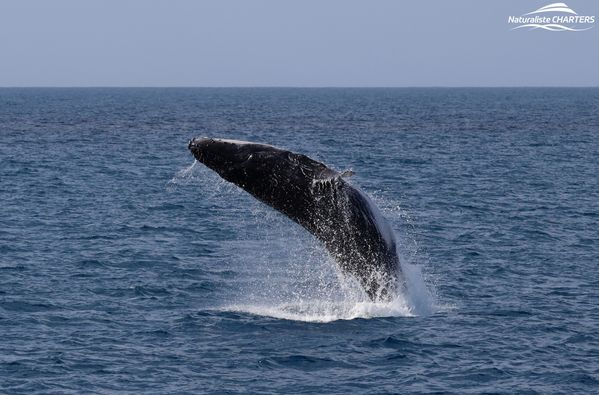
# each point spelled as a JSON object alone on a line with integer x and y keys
{"x": 123, "y": 268}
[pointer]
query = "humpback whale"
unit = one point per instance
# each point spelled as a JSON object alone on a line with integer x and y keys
{"x": 318, "y": 198}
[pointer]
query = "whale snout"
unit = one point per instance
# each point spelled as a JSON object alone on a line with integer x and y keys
{"x": 219, "y": 153}
{"x": 226, "y": 157}
{"x": 199, "y": 146}
{"x": 203, "y": 147}
{"x": 215, "y": 153}
{"x": 198, "y": 143}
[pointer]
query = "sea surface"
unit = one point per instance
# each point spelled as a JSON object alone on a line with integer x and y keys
{"x": 126, "y": 267}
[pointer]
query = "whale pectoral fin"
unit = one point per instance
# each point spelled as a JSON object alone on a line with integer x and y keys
{"x": 332, "y": 174}
{"x": 328, "y": 174}
{"x": 347, "y": 173}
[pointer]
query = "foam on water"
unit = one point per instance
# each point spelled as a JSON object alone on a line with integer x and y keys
{"x": 326, "y": 311}
{"x": 295, "y": 279}
{"x": 331, "y": 296}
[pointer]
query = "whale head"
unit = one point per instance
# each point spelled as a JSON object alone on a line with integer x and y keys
{"x": 273, "y": 175}
{"x": 236, "y": 161}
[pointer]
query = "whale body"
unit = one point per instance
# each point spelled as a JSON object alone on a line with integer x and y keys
{"x": 343, "y": 218}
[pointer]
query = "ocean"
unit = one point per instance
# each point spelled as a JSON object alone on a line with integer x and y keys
{"x": 127, "y": 267}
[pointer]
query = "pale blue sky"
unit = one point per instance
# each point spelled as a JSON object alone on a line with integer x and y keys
{"x": 289, "y": 43}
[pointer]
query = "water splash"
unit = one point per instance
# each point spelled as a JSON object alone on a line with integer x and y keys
{"x": 315, "y": 290}
{"x": 184, "y": 176}
{"x": 295, "y": 278}
{"x": 285, "y": 273}
{"x": 326, "y": 311}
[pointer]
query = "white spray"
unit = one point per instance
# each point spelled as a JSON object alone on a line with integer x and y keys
{"x": 285, "y": 273}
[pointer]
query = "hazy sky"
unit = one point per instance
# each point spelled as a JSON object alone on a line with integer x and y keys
{"x": 289, "y": 43}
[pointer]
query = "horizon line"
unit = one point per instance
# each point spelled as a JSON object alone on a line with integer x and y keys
{"x": 286, "y": 86}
